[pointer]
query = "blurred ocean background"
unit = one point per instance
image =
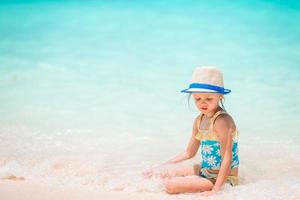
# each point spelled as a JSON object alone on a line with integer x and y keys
{"x": 89, "y": 90}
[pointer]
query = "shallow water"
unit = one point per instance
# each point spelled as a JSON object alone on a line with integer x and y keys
{"x": 89, "y": 92}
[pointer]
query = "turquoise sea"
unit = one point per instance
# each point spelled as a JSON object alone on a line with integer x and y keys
{"x": 92, "y": 88}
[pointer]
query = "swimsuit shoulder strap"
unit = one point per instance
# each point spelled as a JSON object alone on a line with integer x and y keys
{"x": 198, "y": 121}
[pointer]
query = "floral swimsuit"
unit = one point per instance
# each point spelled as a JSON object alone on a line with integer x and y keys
{"x": 210, "y": 151}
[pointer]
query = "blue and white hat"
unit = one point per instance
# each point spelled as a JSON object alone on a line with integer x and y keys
{"x": 207, "y": 79}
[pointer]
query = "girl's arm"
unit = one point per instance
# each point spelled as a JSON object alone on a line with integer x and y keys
{"x": 224, "y": 126}
{"x": 191, "y": 149}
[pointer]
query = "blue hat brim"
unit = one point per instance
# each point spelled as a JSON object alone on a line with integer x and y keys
{"x": 205, "y": 88}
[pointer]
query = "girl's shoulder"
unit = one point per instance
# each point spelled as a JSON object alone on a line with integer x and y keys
{"x": 224, "y": 121}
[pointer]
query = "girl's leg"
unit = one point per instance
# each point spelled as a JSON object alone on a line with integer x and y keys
{"x": 186, "y": 171}
{"x": 187, "y": 184}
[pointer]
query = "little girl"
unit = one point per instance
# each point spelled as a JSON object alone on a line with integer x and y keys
{"x": 215, "y": 132}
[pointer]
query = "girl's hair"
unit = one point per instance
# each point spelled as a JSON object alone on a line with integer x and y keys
{"x": 221, "y": 102}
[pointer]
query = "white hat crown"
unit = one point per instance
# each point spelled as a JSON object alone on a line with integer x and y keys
{"x": 208, "y": 75}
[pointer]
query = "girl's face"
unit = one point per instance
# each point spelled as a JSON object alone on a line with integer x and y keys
{"x": 207, "y": 102}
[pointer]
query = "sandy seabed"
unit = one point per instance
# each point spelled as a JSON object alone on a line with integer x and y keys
{"x": 23, "y": 190}
{"x": 27, "y": 190}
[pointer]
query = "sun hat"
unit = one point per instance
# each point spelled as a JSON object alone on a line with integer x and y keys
{"x": 207, "y": 79}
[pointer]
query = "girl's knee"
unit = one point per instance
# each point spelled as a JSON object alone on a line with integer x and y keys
{"x": 170, "y": 187}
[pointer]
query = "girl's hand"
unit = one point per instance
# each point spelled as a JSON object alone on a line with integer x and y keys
{"x": 149, "y": 173}
{"x": 165, "y": 174}
{"x": 155, "y": 171}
